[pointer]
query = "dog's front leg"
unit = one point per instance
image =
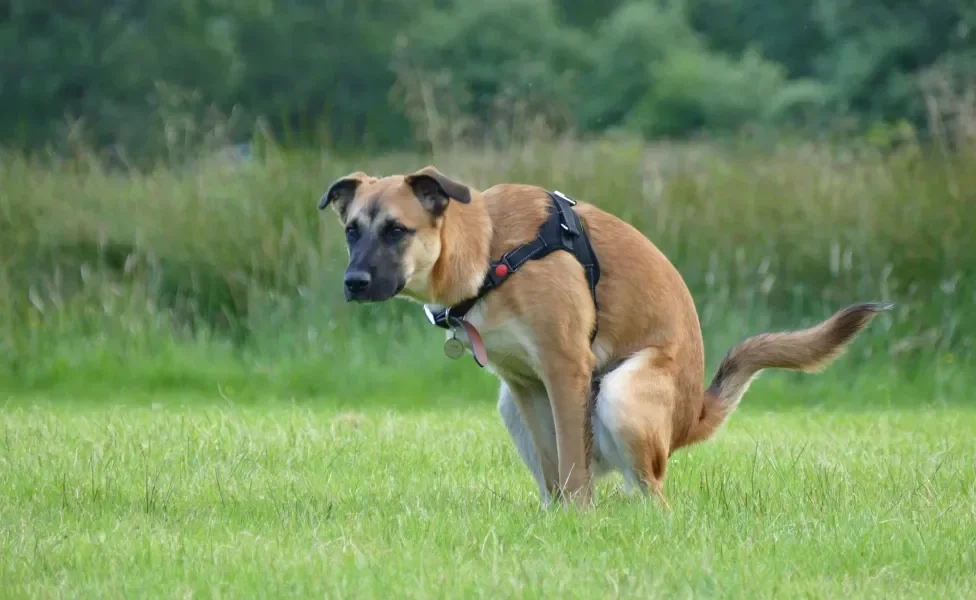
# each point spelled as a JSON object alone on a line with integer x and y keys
{"x": 527, "y": 415}
{"x": 568, "y": 385}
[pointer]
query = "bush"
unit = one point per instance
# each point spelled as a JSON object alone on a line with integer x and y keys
{"x": 626, "y": 49}
{"x": 695, "y": 91}
{"x": 130, "y": 71}
{"x": 134, "y": 76}
{"x": 496, "y": 58}
{"x": 658, "y": 77}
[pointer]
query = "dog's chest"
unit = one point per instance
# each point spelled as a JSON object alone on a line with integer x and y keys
{"x": 509, "y": 343}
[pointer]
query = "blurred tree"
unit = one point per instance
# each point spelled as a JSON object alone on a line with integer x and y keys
{"x": 101, "y": 62}
{"x": 514, "y": 49}
{"x": 324, "y": 67}
{"x": 869, "y": 53}
{"x": 785, "y": 31}
{"x": 585, "y": 14}
{"x": 658, "y": 76}
{"x": 875, "y": 49}
{"x": 636, "y": 38}
{"x": 145, "y": 73}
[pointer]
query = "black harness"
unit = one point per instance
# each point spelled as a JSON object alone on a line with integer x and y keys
{"x": 563, "y": 230}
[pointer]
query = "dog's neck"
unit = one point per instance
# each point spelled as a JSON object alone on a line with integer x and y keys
{"x": 465, "y": 252}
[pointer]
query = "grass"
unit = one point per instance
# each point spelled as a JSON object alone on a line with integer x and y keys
{"x": 192, "y": 410}
{"x": 231, "y": 263}
{"x": 165, "y": 496}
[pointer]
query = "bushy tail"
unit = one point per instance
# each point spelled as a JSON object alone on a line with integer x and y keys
{"x": 808, "y": 350}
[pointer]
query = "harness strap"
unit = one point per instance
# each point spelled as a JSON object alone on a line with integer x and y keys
{"x": 563, "y": 230}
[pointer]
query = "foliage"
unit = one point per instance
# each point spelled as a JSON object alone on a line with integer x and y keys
{"x": 119, "y": 74}
{"x": 498, "y": 53}
{"x": 628, "y": 47}
{"x": 117, "y": 66}
{"x": 868, "y": 53}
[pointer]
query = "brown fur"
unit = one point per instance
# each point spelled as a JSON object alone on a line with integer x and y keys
{"x": 809, "y": 350}
{"x": 649, "y": 347}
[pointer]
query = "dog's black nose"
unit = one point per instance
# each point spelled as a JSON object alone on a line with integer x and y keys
{"x": 357, "y": 281}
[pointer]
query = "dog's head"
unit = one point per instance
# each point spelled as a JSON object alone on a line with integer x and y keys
{"x": 393, "y": 229}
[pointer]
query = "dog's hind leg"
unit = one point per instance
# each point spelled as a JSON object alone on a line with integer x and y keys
{"x": 634, "y": 415}
{"x": 525, "y": 431}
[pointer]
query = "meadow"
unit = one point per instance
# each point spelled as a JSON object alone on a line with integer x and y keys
{"x": 182, "y": 498}
{"x": 188, "y": 407}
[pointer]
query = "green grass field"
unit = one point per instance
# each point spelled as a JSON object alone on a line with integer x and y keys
{"x": 189, "y": 409}
{"x": 170, "y": 496}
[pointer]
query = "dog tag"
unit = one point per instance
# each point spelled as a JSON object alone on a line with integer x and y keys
{"x": 478, "y": 351}
{"x": 453, "y": 347}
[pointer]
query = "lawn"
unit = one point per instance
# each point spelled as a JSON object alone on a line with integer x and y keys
{"x": 189, "y": 408}
{"x": 171, "y": 496}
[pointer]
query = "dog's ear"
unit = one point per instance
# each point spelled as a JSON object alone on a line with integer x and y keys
{"x": 342, "y": 191}
{"x": 435, "y": 190}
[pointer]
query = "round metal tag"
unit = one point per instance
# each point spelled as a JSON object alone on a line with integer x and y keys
{"x": 453, "y": 348}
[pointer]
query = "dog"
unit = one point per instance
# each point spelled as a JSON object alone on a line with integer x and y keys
{"x": 596, "y": 377}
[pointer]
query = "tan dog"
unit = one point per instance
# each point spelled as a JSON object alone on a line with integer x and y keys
{"x": 574, "y": 409}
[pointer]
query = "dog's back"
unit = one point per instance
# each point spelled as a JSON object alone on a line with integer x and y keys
{"x": 643, "y": 300}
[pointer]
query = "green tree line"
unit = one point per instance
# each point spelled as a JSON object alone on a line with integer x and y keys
{"x": 357, "y": 73}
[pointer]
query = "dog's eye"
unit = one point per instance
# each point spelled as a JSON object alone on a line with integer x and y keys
{"x": 352, "y": 231}
{"x": 395, "y": 232}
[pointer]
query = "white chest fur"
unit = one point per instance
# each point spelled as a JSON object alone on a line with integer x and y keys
{"x": 510, "y": 344}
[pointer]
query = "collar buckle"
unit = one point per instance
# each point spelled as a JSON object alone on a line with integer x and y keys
{"x": 564, "y": 197}
{"x": 440, "y": 318}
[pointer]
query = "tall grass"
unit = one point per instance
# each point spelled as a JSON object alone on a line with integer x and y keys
{"x": 223, "y": 270}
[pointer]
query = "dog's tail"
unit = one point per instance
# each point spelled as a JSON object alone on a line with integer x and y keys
{"x": 808, "y": 350}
